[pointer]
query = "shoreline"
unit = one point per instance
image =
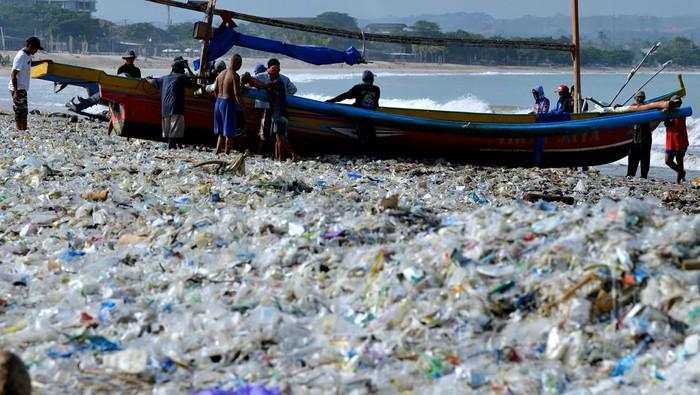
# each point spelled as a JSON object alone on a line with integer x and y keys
{"x": 110, "y": 62}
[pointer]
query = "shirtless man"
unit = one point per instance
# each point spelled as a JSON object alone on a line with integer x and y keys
{"x": 228, "y": 99}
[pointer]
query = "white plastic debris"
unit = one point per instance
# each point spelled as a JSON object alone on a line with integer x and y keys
{"x": 318, "y": 277}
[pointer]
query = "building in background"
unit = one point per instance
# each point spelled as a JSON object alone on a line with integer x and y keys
{"x": 73, "y": 5}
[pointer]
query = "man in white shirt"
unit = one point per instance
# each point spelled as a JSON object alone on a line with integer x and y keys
{"x": 19, "y": 80}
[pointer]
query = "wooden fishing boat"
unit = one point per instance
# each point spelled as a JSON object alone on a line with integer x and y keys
{"x": 323, "y": 128}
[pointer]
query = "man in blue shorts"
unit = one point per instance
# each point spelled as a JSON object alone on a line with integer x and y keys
{"x": 228, "y": 99}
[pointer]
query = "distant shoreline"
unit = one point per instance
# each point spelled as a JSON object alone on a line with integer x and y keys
{"x": 112, "y": 62}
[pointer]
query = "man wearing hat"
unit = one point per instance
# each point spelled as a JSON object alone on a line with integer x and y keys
{"x": 19, "y": 80}
{"x": 640, "y": 149}
{"x": 128, "y": 69}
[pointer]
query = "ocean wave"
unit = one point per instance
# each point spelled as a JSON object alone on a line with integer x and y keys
{"x": 303, "y": 78}
{"x": 467, "y": 103}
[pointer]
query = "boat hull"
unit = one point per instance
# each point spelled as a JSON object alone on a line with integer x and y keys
{"x": 322, "y": 128}
{"x": 138, "y": 116}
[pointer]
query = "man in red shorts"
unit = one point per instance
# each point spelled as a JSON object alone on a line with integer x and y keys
{"x": 676, "y": 146}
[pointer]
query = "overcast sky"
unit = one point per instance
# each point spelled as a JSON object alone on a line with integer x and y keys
{"x": 139, "y": 10}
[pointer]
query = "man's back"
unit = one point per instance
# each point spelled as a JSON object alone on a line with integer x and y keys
{"x": 130, "y": 70}
{"x": 23, "y": 64}
{"x": 366, "y": 96}
{"x": 226, "y": 84}
{"x": 172, "y": 93}
{"x": 277, "y": 94}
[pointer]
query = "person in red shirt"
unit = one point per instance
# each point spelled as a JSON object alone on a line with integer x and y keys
{"x": 676, "y": 146}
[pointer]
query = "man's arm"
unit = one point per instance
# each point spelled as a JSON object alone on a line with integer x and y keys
{"x": 255, "y": 83}
{"x": 289, "y": 85}
{"x": 15, "y": 73}
{"x": 155, "y": 82}
{"x": 38, "y": 62}
{"x": 343, "y": 96}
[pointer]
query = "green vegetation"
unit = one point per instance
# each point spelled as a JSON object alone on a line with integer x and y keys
{"x": 67, "y": 30}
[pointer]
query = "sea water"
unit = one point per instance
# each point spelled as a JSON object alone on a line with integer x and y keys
{"x": 493, "y": 91}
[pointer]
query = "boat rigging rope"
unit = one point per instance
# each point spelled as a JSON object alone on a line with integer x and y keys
{"x": 385, "y": 38}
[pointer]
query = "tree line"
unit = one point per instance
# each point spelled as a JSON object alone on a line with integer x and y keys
{"x": 54, "y": 24}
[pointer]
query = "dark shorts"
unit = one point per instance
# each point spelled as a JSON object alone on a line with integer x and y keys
{"x": 226, "y": 118}
{"x": 20, "y": 105}
{"x": 279, "y": 126}
{"x": 671, "y": 152}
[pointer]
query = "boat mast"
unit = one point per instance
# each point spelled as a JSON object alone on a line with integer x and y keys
{"x": 203, "y": 62}
{"x": 576, "y": 53}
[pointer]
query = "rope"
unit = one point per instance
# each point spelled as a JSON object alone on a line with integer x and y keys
{"x": 385, "y": 38}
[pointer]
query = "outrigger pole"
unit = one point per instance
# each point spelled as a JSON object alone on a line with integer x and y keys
{"x": 386, "y": 38}
{"x": 576, "y": 54}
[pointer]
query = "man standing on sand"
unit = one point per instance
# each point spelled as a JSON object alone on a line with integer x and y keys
{"x": 228, "y": 99}
{"x": 277, "y": 97}
{"x": 129, "y": 69}
{"x": 261, "y": 75}
{"x": 172, "y": 99}
{"x": 19, "y": 80}
{"x": 640, "y": 150}
{"x": 676, "y": 146}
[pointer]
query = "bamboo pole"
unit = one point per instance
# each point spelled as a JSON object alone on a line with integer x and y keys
{"x": 576, "y": 55}
{"x": 431, "y": 41}
{"x": 203, "y": 63}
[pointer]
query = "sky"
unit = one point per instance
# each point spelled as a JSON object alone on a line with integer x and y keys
{"x": 142, "y": 11}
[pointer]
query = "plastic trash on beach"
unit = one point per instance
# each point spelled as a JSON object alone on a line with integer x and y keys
{"x": 125, "y": 268}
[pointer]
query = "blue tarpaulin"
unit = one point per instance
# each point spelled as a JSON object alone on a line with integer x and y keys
{"x": 226, "y": 38}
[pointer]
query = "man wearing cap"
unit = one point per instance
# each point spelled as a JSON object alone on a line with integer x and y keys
{"x": 19, "y": 80}
{"x": 640, "y": 149}
{"x": 366, "y": 96}
{"x": 172, "y": 98}
{"x": 260, "y": 73}
{"x": 277, "y": 98}
{"x": 128, "y": 69}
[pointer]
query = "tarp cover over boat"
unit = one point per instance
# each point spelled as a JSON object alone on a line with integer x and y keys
{"x": 226, "y": 38}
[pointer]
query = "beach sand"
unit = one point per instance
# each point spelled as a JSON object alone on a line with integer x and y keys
{"x": 110, "y": 63}
{"x": 125, "y": 269}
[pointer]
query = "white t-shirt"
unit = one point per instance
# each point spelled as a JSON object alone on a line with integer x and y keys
{"x": 23, "y": 64}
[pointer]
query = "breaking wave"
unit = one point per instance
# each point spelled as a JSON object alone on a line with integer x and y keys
{"x": 467, "y": 103}
{"x": 302, "y": 78}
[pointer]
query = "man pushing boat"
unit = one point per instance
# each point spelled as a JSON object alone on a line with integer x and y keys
{"x": 366, "y": 96}
{"x": 228, "y": 105}
{"x": 172, "y": 98}
{"x": 277, "y": 97}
